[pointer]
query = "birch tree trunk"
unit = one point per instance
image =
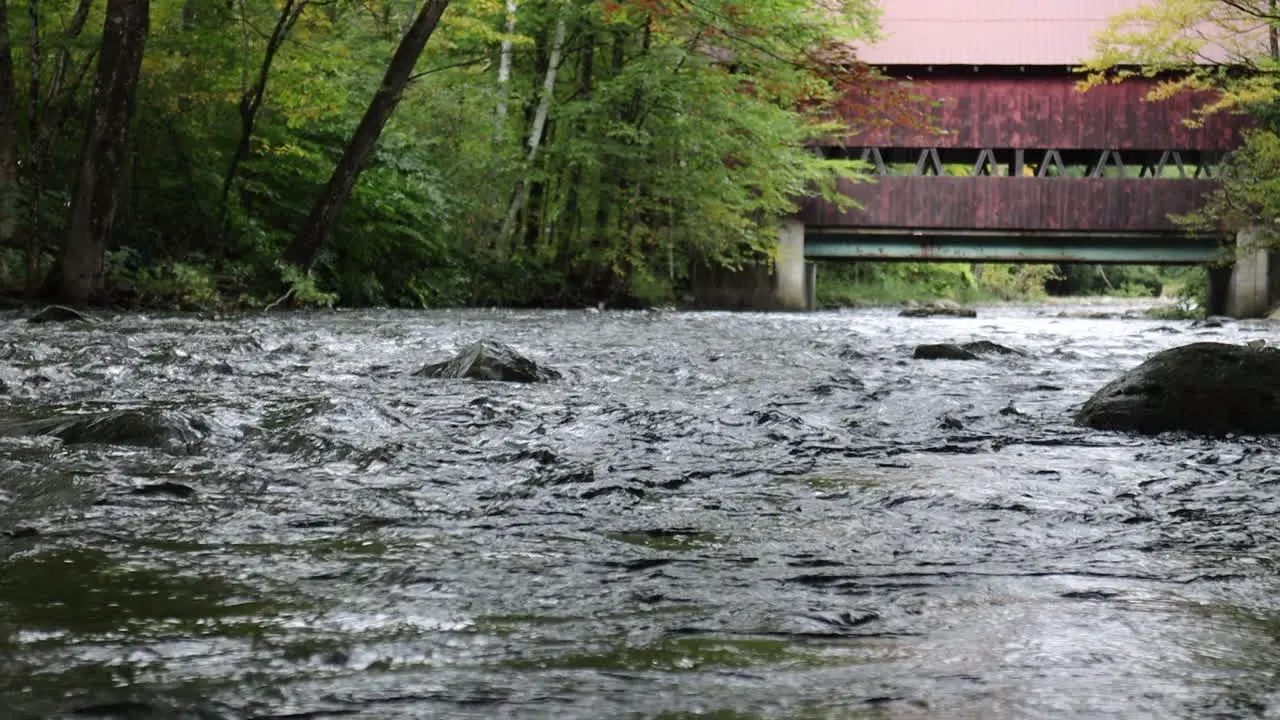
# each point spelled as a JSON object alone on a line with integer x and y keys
{"x": 315, "y": 230}
{"x": 504, "y": 71}
{"x": 1273, "y": 32}
{"x": 78, "y": 276}
{"x": 520, "y": 196}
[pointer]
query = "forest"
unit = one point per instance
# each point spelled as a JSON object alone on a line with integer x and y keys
{"x": 253, "y": 153}
{"x": 529, "y": 153}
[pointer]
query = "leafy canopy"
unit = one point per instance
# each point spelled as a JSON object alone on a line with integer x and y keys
{"x": 1230, "y": 51}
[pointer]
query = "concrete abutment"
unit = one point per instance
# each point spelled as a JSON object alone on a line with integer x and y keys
{"x": 1253, "y": 286}
{"x": 791, "y": 275}
{"x": 789, "y": 282}
{"x": 1248, "y": 289}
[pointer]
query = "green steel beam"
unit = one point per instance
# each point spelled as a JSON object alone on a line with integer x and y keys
{"x": 1025, "y": 247}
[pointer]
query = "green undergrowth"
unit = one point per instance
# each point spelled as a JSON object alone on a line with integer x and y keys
{"x": 258, "y": 280}
{"x": 892, "y": 283}
{"x": 136, "y": 281}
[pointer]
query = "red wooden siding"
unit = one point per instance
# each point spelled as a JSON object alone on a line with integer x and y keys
{"x": 1042, "y": 112}
{"x": 1013, "y": 203}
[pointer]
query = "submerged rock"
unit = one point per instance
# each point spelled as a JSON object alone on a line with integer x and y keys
{"x": 939, "y": 308}
{"x": 1205, "y": 388}
{"x": 153, "y": 711}
{"x": 59, "y": 313}
{"x": 943, "y": 351}
{"x": 986, "y": 347}
{"x": 490, "y": 361}
{"x": 964, "y": 351}
{"x": 139, "y": 427}
{"x": 1213, "y": 321}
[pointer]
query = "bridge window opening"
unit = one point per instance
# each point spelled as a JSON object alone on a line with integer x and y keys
{"x": 1168, "y": 164}
{"x": 873, "y": 157}
{"x": 930, "y": 162}
{"x": 1052, "y": 165}
{"x": 1109, "y": 164}
{"x": 1209, "y": 165}
{"x": 987, "y": 164}
{"x": 1158, "y": 163}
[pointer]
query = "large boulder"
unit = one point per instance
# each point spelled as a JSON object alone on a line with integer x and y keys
{"x": 1206, "y": 388}
{"x": 151, "y": 427}
{"x": 490, "y": 361}
{"x": 939, "y": 308}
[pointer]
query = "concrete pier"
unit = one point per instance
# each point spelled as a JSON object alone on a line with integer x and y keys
{"x": 784, "y": 282}
{"x": 791, "y": 276}
{"x": 1251, "y": 291}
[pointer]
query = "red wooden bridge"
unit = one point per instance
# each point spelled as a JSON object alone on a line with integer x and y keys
{"x": 1017, "y": 163}
{"x": 1050, "y": 173}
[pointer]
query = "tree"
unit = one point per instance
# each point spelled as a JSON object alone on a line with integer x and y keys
{"x": 519, "y": 197}
{"x": 665, "y": 131}
{"x": 79, "y": 275}
{"x": 1230, "y": 48}
{"x": 506, "y": 58}
{"x": 319, "y": 223}
{"x": 252, "y": 97}
{"x": 9, "y": 120}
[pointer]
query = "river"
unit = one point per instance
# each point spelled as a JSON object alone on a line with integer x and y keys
{"x": 713, "y": 515}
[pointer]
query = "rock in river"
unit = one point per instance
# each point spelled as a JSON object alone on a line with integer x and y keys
{"x": 966, "y": 351}
{"x": 492, "y": 361}
{"x": 1206, "y": 388}
{"x": 939, "y": 308}
{"x": 151, "y": 427}
{"x": 59, "y": 313}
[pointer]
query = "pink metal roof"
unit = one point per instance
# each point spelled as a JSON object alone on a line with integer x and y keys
{"x": 990, "y": 32}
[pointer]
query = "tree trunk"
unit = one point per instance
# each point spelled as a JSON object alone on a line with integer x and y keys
{"x": 47, "y": 120}
{"x": 315, "y": 230}
{"x": 79, "y": 276}
{"x": 8, "y": 133}
{"x": 573, "y": 229}
{"x": 35, "y": 235}
{"x": 1272, "y": 31}
{"x": 504, "y": 71}
{"x": 520, "y": 197}
{"x": 251, "y": 99}
{"x": 78, "y": 20}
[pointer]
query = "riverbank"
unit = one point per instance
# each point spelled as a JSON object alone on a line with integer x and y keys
{"x": 190, "y": 288}
{"x": 872, "y": 285}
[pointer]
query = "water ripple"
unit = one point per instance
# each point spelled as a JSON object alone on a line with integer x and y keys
{"x": 712, "y": 515}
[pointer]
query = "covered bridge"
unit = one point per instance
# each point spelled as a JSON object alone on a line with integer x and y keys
{"x": 1050, "y": 173}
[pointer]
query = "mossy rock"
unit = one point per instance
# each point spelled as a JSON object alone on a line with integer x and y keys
{"x": 1204, "y": 388}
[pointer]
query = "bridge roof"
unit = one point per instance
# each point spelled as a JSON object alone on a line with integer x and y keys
{"x": 990, "y": 32}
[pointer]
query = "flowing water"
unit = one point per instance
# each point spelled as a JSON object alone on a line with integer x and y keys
{"x": 711, "y": 516}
